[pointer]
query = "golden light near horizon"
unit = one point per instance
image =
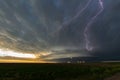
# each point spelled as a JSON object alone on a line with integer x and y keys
{"x": 9, "y": 53}
{"x": 10, "y": 56}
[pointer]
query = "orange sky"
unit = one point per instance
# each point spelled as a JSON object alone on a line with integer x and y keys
{"x": 20, "y": 61}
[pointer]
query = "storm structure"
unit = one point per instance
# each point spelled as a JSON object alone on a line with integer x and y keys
{"x": 59, "y": 30}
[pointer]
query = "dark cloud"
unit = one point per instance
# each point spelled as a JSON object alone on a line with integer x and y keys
{"x": 58, "y": 26}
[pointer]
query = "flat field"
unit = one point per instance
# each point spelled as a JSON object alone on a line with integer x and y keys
{"x": 57, "y": 71}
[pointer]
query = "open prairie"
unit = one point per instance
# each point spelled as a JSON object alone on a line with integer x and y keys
{"x": 58, "y": 71}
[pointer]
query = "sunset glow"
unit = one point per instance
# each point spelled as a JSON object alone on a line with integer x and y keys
{"x": 7, "y": 53}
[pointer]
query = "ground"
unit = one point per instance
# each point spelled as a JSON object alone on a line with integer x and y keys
{"x": 114, "y": 77}
{"x": 61, "y": 71}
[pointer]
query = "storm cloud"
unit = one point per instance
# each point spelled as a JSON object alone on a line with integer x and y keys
{"x": 57, "y": 26}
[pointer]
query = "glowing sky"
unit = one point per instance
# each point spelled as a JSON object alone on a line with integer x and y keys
{"x": 54, "y": 30}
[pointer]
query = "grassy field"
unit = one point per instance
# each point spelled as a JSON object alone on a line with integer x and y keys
{"x": 86, "y": 71}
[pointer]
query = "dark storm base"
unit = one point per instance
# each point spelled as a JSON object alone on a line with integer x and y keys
{"x": 86, "y": 71}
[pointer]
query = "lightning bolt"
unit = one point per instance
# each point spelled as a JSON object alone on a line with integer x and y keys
{"x": 66, "y": 23}
{"x": 86, "y": 36}
{"x": 88, "y": 47}
{"x": 78, "y": 14}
